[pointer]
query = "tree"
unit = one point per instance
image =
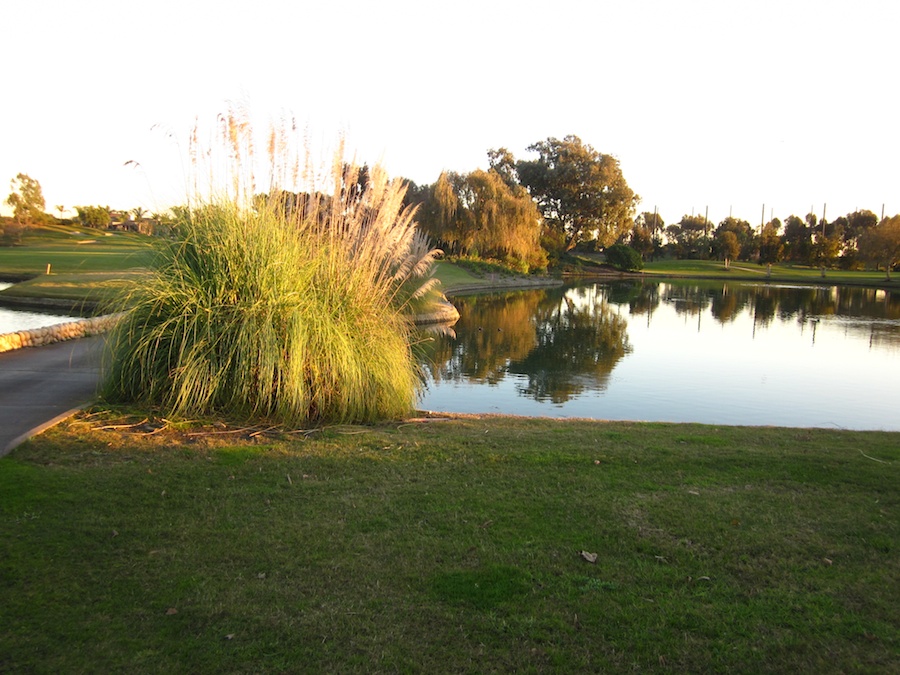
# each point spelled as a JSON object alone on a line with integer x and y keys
{"x": 727, "y": 245}
{"x": 642, "y": 241}
{"x": 483, "y": 214}
{"x": 691, "y": 238}
{"x": 770, "y": 246}
{"x": 858, "y": 223}
{"x": 855, "y": 225}
{"x": 828, "y": 241}
{"x": 651, "y": 221}
{"x": 744, "y": 235}
{"x": 581, "y": 193}
{"x": 93, "y": 216}
{"x": 797, "y": 238}
{"x": 880, "y": 245}
{"x": 26, "y": 200}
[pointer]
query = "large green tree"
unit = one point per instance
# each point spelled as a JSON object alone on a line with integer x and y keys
{"x": 93, "y": 216}
{"x": 691, "y": 238}
{"x": 581, "y": 192}
{"x": 26, "y": 200}
{"x": 771, "y": 249}
{"x": 880, "y": 245}
{"x": 726, "y": 245}
{"x": 797, "y": 238}
{"x": 744, "y": 235}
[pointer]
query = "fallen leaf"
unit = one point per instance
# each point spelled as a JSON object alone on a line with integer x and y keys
{"x": 261, "y": 575}
{"x": 828, "y": 561}
{"x": 693, "y": 492}
{"x": 171, "y": 611}
{"x": 115, "y": 533}
{"x": 590, "y": 557}
{"x": 230, "y": 636}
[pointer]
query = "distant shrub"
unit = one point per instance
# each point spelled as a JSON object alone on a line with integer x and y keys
{"x": 624, "y": 258}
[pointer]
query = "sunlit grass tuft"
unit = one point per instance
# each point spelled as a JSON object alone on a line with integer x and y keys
{"x": 293, "y": 307}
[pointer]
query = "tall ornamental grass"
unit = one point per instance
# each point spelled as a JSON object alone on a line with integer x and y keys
{"x": 294, "y": 310}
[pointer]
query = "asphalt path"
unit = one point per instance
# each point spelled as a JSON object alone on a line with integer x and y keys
{"x": 39, "y": 386}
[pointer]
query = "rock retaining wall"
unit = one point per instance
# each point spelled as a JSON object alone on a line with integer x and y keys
{"x": 62, "y": 331}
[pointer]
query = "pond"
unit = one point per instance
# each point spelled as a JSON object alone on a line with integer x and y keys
{"x": 12, "y": 319}
{"x": 709, "y": 352}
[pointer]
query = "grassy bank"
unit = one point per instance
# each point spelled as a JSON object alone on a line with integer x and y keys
{"x": 781, "y": 272}
{"x": 465, "y": 545}
{"x": 92, "y": 266}
{"x": 86, "y": 267}
{"x": 70, "y": 249}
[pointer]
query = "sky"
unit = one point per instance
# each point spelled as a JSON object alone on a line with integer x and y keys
{"x": 713, "y": 107}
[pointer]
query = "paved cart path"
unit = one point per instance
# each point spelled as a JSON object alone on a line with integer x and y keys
{"x": 41, "y": 385}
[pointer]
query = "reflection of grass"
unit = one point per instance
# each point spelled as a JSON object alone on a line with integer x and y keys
{"x": 449, "y": 547}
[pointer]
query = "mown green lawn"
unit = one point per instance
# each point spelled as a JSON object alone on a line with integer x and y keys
{"x": 466, "y": 545}
{"x": 69, "y": 249}
{"x": 779, "y": 272}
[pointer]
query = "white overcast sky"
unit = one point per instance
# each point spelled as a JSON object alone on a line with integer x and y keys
{"x": 707, "y": 104}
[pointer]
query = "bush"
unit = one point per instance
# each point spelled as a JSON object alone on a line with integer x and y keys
{"x": 624, "y": 258}
{"x": 267, "y": 313}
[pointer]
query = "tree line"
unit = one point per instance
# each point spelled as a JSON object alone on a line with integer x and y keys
{"x": 527, "y": 214}
{"x": 848, "y": 242}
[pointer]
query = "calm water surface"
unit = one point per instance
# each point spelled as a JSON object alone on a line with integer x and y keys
{"x": 12, "y": 320}
{"x": 716, "y": 353}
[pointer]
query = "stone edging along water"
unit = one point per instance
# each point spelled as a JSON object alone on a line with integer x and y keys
{"x": 70, "y": 330}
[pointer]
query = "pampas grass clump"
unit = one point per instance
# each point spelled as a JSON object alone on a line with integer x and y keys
{"x": 260, "y": 309}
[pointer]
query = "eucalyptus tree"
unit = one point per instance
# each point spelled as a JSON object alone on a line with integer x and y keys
{"x": 26, "y": 199}
{"x": 743, "y": 232}
{"x": 581, "y": 193}
{"x": 771, "y": 250}
{"x": 691, "y": 237}
{"x": 727, "y": 246}
{"x": 880, "y": 245}
{"x": 797, "y": 238}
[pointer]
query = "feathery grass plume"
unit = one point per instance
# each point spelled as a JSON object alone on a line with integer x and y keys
{"x": 294, "y": 307}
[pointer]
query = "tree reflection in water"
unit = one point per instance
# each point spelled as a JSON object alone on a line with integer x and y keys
{"x": 562, "y": 342}
{"x": 680, "y": 350}
{"x": 861, "y": 310}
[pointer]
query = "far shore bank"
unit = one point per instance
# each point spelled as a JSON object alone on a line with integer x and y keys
{"x": 85, "y": 301}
